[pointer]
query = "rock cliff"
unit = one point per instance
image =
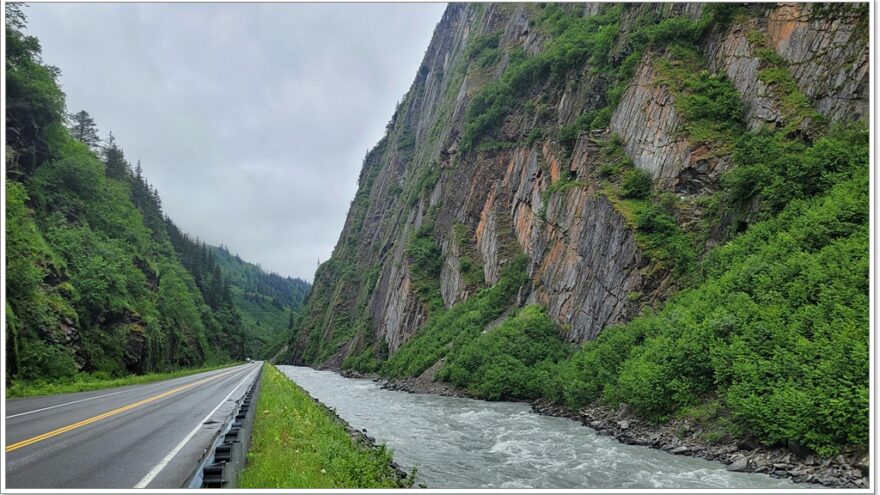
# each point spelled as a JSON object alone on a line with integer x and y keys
{"x": 520, "y": 135}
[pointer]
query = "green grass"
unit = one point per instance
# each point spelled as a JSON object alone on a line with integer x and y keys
{"x": 85, "y": 382}
{"x": 297, "y": 443}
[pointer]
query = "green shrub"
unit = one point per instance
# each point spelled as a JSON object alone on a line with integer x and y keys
{"x": 636, "y": 183}
{"x": 484, "y": 49}
{"x": 464, "y": 321}
{"x": 710, "y": 97}
{"x": 608, "y": 170}
{"x": 46, "y": 361}
{"x": 679, "y": 29}
{"x": 535, "y": 135}
{"x": 514, "y": 360}
{"x": 709, "y": 104}
{"x": 778, "y": 328}
{"x": 582, "y": 378}
{"x": 780, "y": 170}
{"x": 425, "y": 261}
{"x": 601, "y": 118}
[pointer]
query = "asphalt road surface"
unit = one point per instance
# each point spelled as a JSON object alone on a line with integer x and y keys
{"x": 140, "y": 436}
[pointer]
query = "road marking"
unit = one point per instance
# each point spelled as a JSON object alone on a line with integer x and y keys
{"x": 165, "y": 460}
{"x": 83, "y": 400}
{"x": 65, "y": 404}
{"x": 63, "y": 429}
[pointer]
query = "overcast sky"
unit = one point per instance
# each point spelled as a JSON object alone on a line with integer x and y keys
{"x": 251, "y": 119}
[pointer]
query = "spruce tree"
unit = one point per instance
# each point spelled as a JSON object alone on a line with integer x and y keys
{"x": 84, "y": 129}
{"x": 114, "y": 160}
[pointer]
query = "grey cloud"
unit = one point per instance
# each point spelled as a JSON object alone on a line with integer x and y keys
{"x": 251, "y": 119}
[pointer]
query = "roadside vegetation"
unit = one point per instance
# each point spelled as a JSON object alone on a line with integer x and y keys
{"x": 102, "y": 288}
{"x": 84, "y": 382}
{"x": 297, "y": 443}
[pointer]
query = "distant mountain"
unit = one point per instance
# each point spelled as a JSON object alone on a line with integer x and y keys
{"x": 268, "y": 302}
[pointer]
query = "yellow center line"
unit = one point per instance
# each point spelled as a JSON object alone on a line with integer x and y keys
{"x": 38, "y": 438}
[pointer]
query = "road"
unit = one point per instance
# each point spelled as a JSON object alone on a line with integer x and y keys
{"x": 140, "y": 436}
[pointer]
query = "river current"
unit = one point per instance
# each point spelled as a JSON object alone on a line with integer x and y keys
{"x": 466, "y": 443}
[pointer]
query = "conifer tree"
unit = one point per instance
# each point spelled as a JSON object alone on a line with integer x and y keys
{"x": 114, "y": 160}
{"x": 84, "y": 129}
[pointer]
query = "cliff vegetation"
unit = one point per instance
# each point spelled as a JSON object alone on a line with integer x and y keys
{"x": 657, "y": 205}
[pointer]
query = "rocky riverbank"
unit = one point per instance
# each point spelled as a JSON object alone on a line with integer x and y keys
{"x": 682, "y": 437}
{"x": 422, "y": 384}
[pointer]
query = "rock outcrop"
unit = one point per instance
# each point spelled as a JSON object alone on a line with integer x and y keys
{"x": 825, "y": 47}
{"x": 526, "y": 190}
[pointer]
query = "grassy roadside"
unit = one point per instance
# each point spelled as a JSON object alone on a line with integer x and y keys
{"x": 85, "y": 382}
{"x": 297, "y": 443}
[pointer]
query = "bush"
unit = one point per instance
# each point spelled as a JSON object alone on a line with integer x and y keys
{"x": 582, "y": 379}
{"x": 513, "y": 361}
{"x": 710, "y": 97}
{"x": 778, "y": 329}
{"x": 653, "y": 220}
{"x": 779, "y": 170}
{"x": 663, "y": 241}
{"x": 483, "y": 50}
{"x": 636, "y": 184}
{"x": 425, "y": 261}
{"x": 679, "y": 29}
{"x": 596, "y": 119}
{"x": 46, "y": 362}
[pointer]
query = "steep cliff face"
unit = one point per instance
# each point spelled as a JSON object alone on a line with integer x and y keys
{"x": 521, "y": 134}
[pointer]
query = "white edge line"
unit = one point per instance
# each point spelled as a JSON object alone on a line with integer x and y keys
{"x": 90, "y": 398}
{"x": 164, "y": 462}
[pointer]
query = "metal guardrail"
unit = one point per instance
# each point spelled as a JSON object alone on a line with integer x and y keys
{"x": 228, "y": 453}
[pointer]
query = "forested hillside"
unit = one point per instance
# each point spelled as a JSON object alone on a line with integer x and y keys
{"x": 98, "y": 279}
{"x": 657, "y": 205}
{"x": 268, "y": 302}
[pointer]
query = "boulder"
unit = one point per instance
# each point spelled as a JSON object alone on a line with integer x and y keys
{"x": 863, "y": 464}
{"x": 739, "y": 465}
{"x": 680, "y": 450}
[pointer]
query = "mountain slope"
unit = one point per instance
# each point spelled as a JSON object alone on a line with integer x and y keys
{"x": 98, "y": 280}
{"x": 268, "y": 302}
{"x": 665, "y": 185}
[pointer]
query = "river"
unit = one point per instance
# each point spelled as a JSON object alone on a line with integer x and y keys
{"x": 466, "y": 443}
